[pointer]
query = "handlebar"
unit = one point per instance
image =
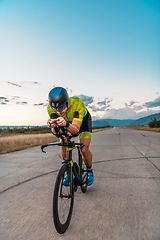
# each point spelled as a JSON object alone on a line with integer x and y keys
{"x": 69, "y": 144}
{"x": 62, "y": 133}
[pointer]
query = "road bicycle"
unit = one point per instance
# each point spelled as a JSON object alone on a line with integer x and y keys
{"x": 63, "y": 196}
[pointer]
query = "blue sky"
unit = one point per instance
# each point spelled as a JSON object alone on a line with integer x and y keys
{"x": 107, "y": 52}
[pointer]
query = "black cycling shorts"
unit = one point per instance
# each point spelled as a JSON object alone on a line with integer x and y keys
{"x": 86, "y": 124}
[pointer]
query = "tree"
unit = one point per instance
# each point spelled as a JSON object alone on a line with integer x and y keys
{"x": 154, "y": 123}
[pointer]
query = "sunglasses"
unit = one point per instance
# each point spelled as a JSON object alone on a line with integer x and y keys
{"x": 61, "y": 107}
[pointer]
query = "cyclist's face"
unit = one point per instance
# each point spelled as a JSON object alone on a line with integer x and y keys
{"x": 61, "y": 113}
{"x": 61, "y": 110}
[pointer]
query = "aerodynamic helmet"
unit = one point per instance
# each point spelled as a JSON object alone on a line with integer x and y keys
{"x": 57, "y": 97}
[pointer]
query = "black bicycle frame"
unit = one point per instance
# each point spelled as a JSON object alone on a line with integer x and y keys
{"x": 71, "y": 145}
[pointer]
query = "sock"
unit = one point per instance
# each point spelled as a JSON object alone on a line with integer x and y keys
{"x": 90, "y": 171}
{"x": 88, "y": 168}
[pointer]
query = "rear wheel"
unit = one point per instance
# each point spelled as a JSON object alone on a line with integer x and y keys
{"x": 63, "y": 200}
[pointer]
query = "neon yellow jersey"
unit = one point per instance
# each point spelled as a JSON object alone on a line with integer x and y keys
{"x": 76, "y": 111}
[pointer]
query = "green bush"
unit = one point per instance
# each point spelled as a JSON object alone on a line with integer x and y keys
{"x": 154, "y": 123}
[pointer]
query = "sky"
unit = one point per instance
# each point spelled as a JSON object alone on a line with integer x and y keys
{"x": 105, "y": 52}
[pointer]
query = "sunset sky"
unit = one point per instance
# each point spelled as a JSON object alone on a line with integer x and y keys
{"x": 106, "y": 52}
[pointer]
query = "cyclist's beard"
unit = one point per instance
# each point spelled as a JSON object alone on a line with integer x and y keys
{"x": 62, "y": 112}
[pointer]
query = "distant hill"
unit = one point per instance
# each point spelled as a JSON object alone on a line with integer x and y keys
{"x": 146, "y": 120}
{"x": 126, "y": 122}
{"x": 111, "y": 122}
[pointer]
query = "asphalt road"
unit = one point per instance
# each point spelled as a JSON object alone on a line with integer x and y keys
{"x": 122, "y": 204}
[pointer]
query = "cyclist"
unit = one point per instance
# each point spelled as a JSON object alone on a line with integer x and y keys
{"x": 71, "y": 113}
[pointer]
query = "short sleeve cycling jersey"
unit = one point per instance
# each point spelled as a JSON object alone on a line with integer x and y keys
{"x": 76, "y": 111}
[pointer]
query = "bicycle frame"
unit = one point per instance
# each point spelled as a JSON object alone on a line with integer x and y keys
{"x": 62, "y": 192}
{"x": 69, "y": 148}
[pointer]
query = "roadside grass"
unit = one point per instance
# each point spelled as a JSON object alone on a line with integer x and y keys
{"x": 143, "y": 128}
{"x": 16, "y": 142}
{"x": 20, "y": 142}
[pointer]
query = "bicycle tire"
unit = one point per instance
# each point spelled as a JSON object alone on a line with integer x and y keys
{"x": 63, "y": 200}
{"x": 82, "y": 173}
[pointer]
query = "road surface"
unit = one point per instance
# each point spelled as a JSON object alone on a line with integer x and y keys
{"x": 122, "y": 204}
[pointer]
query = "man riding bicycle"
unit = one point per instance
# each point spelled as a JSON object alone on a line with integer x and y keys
{"x": 70, "y": 112}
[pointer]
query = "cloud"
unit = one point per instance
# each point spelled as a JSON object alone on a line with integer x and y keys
{"x": 96, "y": 109}
{"x": 105, "y": 102}
{"x": 132, "y": 103}
{"x": 15, "y": 97}
{"x": 14, "y": 84}
{"x": 125, "y": 113}
{"x": 132, "y": 110}
{"x": 21, "y": 103}
{"x": 101, "y": 103}
{"x": 101, "y": 106}
{"x": 3, "y": 100}
{"x": 86, "y": 99}
{"x": 121, "y": 113}
{"x": 35, "y": 83}
{"x": 95, "y": 106}
{"x": 137, "y": 107}
{"x": 104, "y": 105}
{"x": 3, "y": 103}
{"x": 23, "y": 83}
{"x": 152, "y": 104}
{"x": 41, "y": 104}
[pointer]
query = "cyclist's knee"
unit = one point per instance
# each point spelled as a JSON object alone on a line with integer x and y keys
{"x": 85, "y": 150}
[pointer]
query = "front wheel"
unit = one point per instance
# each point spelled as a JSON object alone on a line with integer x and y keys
{"x": 63, "y": 199}
{"x": 83, "y": 173}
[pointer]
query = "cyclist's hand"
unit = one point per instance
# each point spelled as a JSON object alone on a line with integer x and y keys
{"x": 52, "y": 123}
{"x": 61, "y": 121}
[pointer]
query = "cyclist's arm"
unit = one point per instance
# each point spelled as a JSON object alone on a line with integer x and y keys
{"x": 74, "y": 127}
{"x": 52, "y": 122}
